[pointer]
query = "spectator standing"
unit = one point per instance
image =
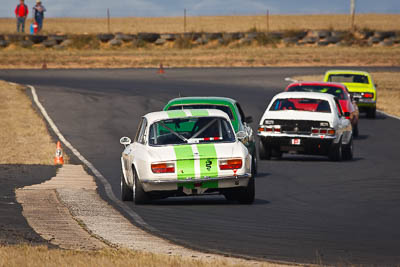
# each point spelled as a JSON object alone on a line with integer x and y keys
{"x": 21, "y": 12}
{"x": 39, "y": 10}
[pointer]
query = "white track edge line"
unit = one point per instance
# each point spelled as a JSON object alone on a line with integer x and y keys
{"x": 107, "y": 186}
{"x": 389, "y": 115}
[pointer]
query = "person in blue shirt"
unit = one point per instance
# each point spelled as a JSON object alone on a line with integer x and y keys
{"x": 39, "y": 10}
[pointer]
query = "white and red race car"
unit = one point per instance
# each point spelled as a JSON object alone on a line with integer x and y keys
{"x": 305, "y": 123}
{"x": 186, "y": 152}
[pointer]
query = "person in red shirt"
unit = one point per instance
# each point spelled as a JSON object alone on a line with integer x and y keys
{"x": 21, "y": 13}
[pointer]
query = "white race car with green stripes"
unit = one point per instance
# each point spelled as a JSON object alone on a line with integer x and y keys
{"x": 186, "y": 152}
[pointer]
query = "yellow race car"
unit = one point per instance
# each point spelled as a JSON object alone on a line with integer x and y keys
{"x": 360, "y": 86}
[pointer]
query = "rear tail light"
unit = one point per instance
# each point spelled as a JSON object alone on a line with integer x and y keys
{"x": 274, "y": 129}
{"x": 163, "y": 167}
{"x": 323, "y": 131}
{"x": 368, "y": 95}
{"x": 230, "y": 164}
{"x": 331, "y": 132}
{"x": 277, "y": 129}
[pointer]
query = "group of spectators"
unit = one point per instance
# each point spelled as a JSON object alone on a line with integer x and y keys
{"x": 22, "y": 11}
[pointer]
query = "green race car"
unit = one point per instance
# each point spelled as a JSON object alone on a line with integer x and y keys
{"x": 229, "y": 106}
{"x": 360, "y": 86}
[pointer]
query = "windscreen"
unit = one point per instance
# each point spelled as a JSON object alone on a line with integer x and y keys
{"x": 191, "y": 130}
{"x": 223, "y": 108}
{"x": 301, "y": 104}
{"x": 348, "y": 78}
{"x": 333, "y": 90}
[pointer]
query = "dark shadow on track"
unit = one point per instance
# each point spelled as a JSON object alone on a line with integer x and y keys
{"x": 202, "y": 201}
{"x": 361, "y": 137}
{"x": 262, "y": 175}
{"x": 307, "y": 158}
{"x": 379, "y": 116}
{"x": 14, "y": 229}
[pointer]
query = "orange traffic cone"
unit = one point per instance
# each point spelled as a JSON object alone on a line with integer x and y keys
{"x": 58, "y": 159}
{"x": 161, "y": 69}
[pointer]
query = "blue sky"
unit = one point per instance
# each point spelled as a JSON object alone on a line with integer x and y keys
{"x": 156, "y": 8}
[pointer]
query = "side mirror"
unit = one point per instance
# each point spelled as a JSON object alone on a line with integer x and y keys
{"x": 248, "y": 119}
{"x": 241, "y": 135}
{"x": 347, "y": 114}
{"x": 125, "y": 141}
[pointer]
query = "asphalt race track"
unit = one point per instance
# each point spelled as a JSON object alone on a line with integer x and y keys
{"x": 307, "y": 209}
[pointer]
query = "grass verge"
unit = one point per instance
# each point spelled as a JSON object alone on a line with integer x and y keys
{"x": 24, "y": 138}
{"x": 388, "y": 89}
{"x": 24, "y": 255}
{"x": 218, "y": 56}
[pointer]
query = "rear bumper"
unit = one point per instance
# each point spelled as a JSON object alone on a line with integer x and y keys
{"x": 183, "y": 181}
{"x": 308, "y": 145}
{"x": 205, "y": 183}
{"x": 365, "y": 102}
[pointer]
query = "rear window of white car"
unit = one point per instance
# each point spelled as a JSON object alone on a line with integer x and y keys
{"x": 301, "y": 104}
{"x": 191, "y": 130}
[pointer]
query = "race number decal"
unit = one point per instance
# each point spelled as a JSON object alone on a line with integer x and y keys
{"x": 296, "y": 141}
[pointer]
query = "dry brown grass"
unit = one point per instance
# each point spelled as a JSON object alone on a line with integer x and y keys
{"x": 24, "y": 138}
{"x": 24, "y": 255}
{"x": 388, "y": 89}
{"x": 219, "y": 56}
{"x": 213, "y": 23}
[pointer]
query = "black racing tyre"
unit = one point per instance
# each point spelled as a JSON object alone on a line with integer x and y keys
{"x": 105, "y": 37}
{"x": 335, "y": 153}
{"x": 371, "y": 113}
{"x": 264, "y": 152}
{"x": 139, "y": 196}
{"x": 246, "y": 195}
{"x": 126, "y": 191}
{"x": 230, "y": 196}
{"x": 355, "y": 130}
{"x": 37, "y": 39}
{"x": 254, "y": 164}
{"x": 347, "y": 152}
